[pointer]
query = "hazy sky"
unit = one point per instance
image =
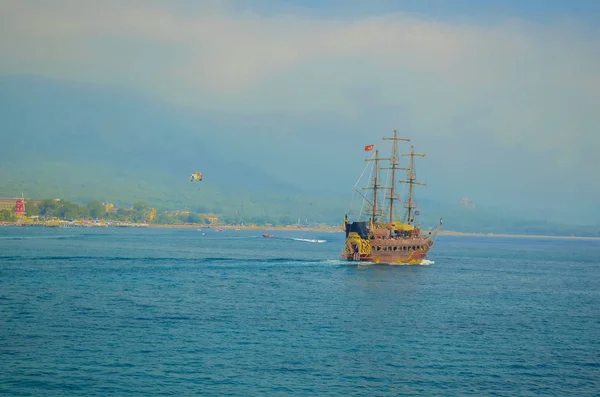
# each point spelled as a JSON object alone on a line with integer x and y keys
{"x": 504, "y": 96}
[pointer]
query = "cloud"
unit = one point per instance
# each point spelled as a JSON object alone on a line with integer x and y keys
{"x": 524, "y": 84}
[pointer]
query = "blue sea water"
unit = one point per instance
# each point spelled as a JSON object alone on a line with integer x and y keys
{"x": 144, "y": 312}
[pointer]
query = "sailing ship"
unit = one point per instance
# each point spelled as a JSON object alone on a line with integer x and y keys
{"x": 379, "y": 234}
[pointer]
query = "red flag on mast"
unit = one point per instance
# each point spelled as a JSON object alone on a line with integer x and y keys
{"x": 368, "y": 148}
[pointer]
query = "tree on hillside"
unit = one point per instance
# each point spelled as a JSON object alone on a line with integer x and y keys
{"x": 70, "y": 210}
{"x": 122, "y": 214}
{"x": 140, "y": 211}
{"x": 195, "y": 218}
{"x": 164, "y": 218}
{"x": 48, "y": 207}
{"x": 31, "y": 208}
{"x": 140, "y": 206}
{"x": 96, "y": 209}
{"x": 7, "y": 216}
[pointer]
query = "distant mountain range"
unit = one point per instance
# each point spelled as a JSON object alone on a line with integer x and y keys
{"x": 51, "y": 121}
{"x": 84, "y": 142}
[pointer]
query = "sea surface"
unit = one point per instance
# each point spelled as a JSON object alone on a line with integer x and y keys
{"x": 145, "y": 312}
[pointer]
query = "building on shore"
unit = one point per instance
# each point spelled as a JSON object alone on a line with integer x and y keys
{"x": 15, "y": 204}
{"x": 7, "y": 203}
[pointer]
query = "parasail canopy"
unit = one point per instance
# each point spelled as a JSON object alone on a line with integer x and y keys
{"x": 196, "y": 176}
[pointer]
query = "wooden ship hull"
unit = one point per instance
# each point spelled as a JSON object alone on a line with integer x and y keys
{"x": 384, "y": 237}
{"x": 386, "y": 247}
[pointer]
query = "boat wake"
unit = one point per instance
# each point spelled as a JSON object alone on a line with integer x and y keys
{"x": 363, "y": 265}
{"x": 309, "y": 240}
{"x": 334, "y": 262}
{"x": 424, "y": 262}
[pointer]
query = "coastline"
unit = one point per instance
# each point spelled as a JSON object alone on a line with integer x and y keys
{"x": 323, "y": 229}
{"x": 328, "y": 229}
{"x": 334, "y": 229}
{"x": 469, "y": 234}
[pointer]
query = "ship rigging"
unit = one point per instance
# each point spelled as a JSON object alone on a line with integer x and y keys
{"x": 380, "y": 235}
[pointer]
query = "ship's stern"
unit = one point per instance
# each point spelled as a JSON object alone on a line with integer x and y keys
{"x": 357, "y": 245}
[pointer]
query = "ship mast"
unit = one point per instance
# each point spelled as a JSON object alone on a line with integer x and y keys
{"x": 375, "y": 185}
{"x": 394, "y": 164}
{"x": 411, "y": 180}
{"x": 374, "y": 213}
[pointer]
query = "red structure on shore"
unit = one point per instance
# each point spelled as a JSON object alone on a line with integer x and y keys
{"x": 20, "y": 207}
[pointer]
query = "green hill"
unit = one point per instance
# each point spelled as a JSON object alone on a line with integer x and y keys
{"x": 85, "y": 143}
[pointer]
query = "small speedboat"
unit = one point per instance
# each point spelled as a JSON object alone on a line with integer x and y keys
{"x": 266, "y": 235}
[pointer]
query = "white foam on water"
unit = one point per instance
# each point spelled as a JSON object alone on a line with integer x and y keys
{"x": 424, "y": 262}
{"x": 309, "y": 240}
{"x": 336, "y": 262}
